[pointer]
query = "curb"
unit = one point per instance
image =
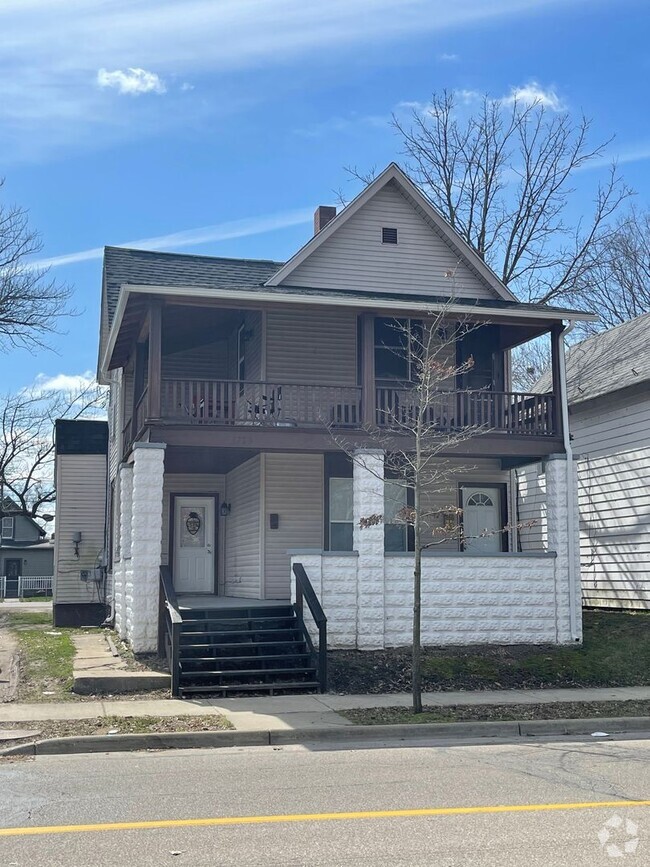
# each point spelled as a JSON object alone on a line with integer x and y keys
{"x": 333, "y": 734}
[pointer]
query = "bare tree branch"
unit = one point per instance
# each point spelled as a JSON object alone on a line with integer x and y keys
{"x": 31, "y": 304}
{"x": 27, "y": 444}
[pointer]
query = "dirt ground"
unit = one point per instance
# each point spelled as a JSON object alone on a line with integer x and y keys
{"x": 9, "y": 662}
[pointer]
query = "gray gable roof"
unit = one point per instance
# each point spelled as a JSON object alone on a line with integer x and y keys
{"x": 607, "y": 362}
{"x": 152, "y": 268}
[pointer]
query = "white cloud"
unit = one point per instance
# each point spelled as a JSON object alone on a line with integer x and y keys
{"x": 192, "y": 237}
{"x": 49, "y": 98}
{"x": 133, "y": 81}
{"x": 63, "y": 382}
{"x": 448, "y": 58}
{"x": 533, "y": 93}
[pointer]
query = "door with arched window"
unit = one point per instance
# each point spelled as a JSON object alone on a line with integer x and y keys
{"x": 482, "y": 519}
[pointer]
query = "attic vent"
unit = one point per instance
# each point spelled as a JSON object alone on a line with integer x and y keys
{"x": 388, "y": 235}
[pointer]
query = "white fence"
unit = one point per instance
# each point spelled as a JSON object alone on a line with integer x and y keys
{"x": 28, "y": 585}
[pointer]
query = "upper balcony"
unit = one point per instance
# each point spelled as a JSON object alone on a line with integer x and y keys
{"x": 203, "y": 369}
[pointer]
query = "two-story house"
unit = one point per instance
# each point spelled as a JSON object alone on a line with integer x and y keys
{"x": 226, "y": 378}
{"x": 26, "y": 555}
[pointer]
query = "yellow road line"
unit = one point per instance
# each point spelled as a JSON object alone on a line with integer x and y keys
{"x": 313, "y": 817}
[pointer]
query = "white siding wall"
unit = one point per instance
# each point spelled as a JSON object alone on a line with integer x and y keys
{"x": 244, "y": 568}
{"x": 294, "y": 490}
{"x": 612, "y": 441}
{"x": 531, "y": 507}
{"x": 354, "y": 257}
{"x": 81, "y": 500}
{"x": 312, "y": 347}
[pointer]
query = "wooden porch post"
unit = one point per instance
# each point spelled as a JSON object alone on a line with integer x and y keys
{"x": 155, "y": 358}
{"x": 556, "y": 349}
{"x": 368, "y": 387}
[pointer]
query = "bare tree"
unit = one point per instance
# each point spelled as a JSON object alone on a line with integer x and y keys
{"x": 616, "y": 284}
{"x": 30, "y": 302}
{"x": 27, "y": 444}
{"x": 503, "y": 177}
{"x": 419, "y": 425}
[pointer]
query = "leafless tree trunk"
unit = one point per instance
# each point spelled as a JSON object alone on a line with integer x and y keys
{"x": 27, "y": 444}
{"x": 420, "y": 428}
{"x": 31, "y": 303}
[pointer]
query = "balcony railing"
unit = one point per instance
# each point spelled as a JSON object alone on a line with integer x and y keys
{"x": 230, "y": 402}
{"x": 495, "y": 411}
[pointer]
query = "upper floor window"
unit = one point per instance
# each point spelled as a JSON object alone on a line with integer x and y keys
{"x": 7, "y": 528}
{"x": 388, "y": 235}
{"x": 396, "y": 348}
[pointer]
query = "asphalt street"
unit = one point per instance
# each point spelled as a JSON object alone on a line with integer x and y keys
{"x": 555, "y": 803}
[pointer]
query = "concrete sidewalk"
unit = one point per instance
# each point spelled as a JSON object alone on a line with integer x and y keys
{"x": 275, "y": 713}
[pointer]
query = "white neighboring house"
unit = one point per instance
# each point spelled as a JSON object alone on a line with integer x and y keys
{"x": 609, "y": 409}
{"x": 222, "y": 478}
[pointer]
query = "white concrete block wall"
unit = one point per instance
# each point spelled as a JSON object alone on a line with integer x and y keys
{"x": 506, "y": 599}
{"x": 368, "y": 500}
{"x": 142, "y": 591}
{"x": 124, "y": 559}
{"x": 559, "y": 474}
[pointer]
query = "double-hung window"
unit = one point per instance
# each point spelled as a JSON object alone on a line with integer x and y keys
{"x": 7, "y": 528}
{"x": 395, "y": 529}
{"x": 340, "y": 515}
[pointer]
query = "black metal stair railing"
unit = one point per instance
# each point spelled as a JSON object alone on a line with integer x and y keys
{"x": 169, "y": 628}
{"x": 306, "y": 593}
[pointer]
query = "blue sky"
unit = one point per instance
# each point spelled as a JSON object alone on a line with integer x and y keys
{"x": 244, "y": 112}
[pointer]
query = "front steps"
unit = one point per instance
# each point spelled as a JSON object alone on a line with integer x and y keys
{"x": 261, "y": 649}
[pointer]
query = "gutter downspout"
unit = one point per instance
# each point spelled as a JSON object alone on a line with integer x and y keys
{"x": 575, "y": 632}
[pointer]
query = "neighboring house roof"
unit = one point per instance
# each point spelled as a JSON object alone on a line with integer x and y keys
{"x": 393, "y": 173}
{"x": 144, "y": 267}
{"x": 10, "y": 509}
{"x": 615, "y": 359}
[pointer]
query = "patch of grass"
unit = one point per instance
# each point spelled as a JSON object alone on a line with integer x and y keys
{"x": 494, "y": 713}
{"x": 45, "y": 664}
{"x": 26, "y": 618}
{"x": 122, "y": 725}
{"x": 615, "y": 652}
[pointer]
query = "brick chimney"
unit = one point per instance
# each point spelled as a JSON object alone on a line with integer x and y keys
{"x": 323, "y": 215}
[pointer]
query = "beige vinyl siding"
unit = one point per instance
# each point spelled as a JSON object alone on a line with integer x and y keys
{"x": 312, "y": 348}
{"x": 293, "y": 489}
{"x": 199, "y": 485}
{"x": 243, "y": 531}
{"x": 611, "y": 438}
{"x": 209, "y": 361}
{"x": 81, "y": 501}
{"x": 531, "y": 507}
{"x": 482, "y": 471}
{"x": 355, "y": 258}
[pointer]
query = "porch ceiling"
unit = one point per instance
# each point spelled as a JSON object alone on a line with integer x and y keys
{"x": 197, "y": 459}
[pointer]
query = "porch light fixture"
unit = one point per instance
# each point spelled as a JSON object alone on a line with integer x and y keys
{"x": 224, "y": 510}
{"x": 76, "y": 541}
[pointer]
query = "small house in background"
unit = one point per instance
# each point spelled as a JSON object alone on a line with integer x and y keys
{"x": 26, "y": 555}
{"x": 80, "y": 592}
{"x": 608, "y": 378}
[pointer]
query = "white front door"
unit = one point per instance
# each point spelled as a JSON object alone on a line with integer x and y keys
{"x": 194, "y": 544}
{"x": 482, "y": 520}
